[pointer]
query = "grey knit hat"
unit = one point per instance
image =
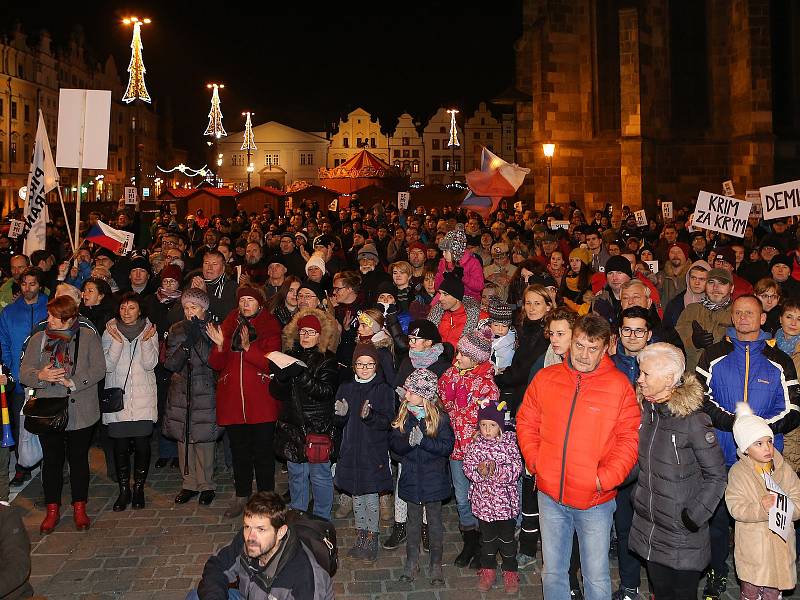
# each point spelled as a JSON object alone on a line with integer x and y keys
{"x": 196, "y": 296}
{"x": 456, "y": 242}
{"x": 477, "y": 345}
{"x": 499, "y": 311}
{"x": 423, "y": 382}
{"x": 368, "y": 251}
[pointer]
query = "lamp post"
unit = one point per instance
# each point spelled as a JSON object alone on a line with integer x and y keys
{"x": 549, "y": 150}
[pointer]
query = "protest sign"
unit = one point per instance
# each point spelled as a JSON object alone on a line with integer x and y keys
{"x": 780, "y": 514}
{"x": 641, "y": 218}
{"x": 402, "y": 200}
{"x": 518, "y": 206}
{"x": 130, "y": 195}
{"x": 559, "y": 224}
{"x": 721, "y": 213}
{"x": 754, "y": 196}
{"x": 781, "y": 200}
{"x": 15, "y": 228}
{"x": 652, "y": 265}
{"x": 666, "y": 210}
{"x": 334, "y": 205}
{"x": 83, "y": 122}
{"x": 727, "y": 188}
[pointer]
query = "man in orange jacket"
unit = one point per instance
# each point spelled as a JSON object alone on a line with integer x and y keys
{"x": 578, "y": 429}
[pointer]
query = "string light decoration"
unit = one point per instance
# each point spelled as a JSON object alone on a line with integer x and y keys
{"x": 136, "y": 90}
{"x": 215, "y": 128}
{"x": 453, "y": 129}
{"x": 249, "y": 143}
{"x": 188, "y": 171}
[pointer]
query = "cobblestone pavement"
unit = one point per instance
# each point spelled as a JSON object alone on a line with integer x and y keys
{"x": 160, "y": 551}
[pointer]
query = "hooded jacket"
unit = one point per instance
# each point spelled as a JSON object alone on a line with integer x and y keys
{"x": 494, "y": 498}
{"x": 471, "y": 275}
{"x": 574, "y": 428}
{"x": 755, "y": 372}
{"x": 17, "y": 322}
{"x": 681, "y": 468}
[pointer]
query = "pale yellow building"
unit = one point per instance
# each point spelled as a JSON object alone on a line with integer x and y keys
{"x": 283, "y": 156}
{"x": 442, "y": 163}
{"x": 407, "y": 149}
{"x": 354, "y": 133}
{"x": 481, "y": 129}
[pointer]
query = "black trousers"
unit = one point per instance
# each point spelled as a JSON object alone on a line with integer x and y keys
{"x": 498, "y": 536}
{"x": 529, "y": 528}
{"x": 251, "y": 447}
{"x": 629, "y": 564}
{"x": 720, "y": 532}
{"x": 74, "y": 447}
{"x": 667, "y": 583}
{"x": 141, "y": 457}
{"x": 433, "y": 511}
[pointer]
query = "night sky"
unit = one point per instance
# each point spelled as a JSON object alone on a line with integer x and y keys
{"x": 302, "y": 66}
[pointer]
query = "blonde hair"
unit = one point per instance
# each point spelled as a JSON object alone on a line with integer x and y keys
{"x": 433, "y": 414}
{"x": 402, "y": 266}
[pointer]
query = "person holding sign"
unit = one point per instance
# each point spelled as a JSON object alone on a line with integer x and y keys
{"x": 765, "y": 544}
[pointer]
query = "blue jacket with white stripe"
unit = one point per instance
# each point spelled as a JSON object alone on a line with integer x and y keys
{"x": 756, "y": 372}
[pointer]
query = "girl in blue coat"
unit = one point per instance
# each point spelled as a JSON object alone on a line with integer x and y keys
{"x": 366, "y": 404}
{"x": 423, "y": 438}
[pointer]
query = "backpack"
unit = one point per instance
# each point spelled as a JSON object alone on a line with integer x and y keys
{"x": 318, "y": 535}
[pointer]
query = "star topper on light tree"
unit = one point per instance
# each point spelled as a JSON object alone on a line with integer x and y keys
{"x": 136, "y": 90}
{"x": 248, "y": 144}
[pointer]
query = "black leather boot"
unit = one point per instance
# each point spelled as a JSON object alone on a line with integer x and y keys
{"x": 470, "y": 549}
{"x": 137, "y": 498}
{"x": 123, "y": 469}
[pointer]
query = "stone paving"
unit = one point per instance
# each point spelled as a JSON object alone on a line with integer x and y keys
{"x": 159, "y": 552}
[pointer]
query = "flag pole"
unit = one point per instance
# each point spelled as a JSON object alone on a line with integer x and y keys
{"x": 66, "y": 219}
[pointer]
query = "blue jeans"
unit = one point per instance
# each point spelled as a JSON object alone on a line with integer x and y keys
{"x": 233, "y": 594}
{"x": 321, "y": 486}
{"x": 593, "y": 526}
{"x": 466, "y": 519}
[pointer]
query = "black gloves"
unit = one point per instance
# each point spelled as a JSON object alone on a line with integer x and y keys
{"x": 458, "y": 271}
{"x": 293, "y": 370}
{"x": 688, "y": 523}
{"x": 700, "y": 337}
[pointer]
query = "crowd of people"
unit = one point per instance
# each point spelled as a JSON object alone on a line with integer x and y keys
{"x": 602, "y": 390}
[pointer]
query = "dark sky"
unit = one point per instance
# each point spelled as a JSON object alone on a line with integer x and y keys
{"x": 304, "y": 66}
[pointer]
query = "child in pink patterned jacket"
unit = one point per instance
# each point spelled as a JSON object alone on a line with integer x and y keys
{"x": 493, "y": 464}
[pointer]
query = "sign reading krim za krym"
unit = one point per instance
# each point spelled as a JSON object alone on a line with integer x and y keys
{"x": 721, "y": 213}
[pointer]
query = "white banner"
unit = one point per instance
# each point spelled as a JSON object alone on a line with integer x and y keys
{"x": 83, "y": 121}
{"x": 130, "y": 195}
{"x": 666, "y": 210}
{"x": 518, "y": 206}
{"x": 402, "y": 200}
{"x": 721, "y": 213}
{"x": 781, "y": 200}
{"x": 42, "y": 178}
{"x": 641, "y": 218}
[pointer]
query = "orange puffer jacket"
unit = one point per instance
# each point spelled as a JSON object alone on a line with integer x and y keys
{"x": 574, "y": 428}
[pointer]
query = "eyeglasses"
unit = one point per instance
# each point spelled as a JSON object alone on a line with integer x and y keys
{"x": 305, "y": 296}
{"x": 769, "y": 296}
{"x": 308, "y": 332}
{"x": 360, "y": 365}
{"x": 628, "y": 332}
{"x": 338, "y": 289}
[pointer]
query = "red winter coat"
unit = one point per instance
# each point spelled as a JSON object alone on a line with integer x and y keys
{"x": 460, "y": 395}
{"x": 243, "y": 385}
{"x": 574, "y": 428}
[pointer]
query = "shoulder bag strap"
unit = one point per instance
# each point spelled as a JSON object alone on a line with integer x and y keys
{"x": 130, "y": 364}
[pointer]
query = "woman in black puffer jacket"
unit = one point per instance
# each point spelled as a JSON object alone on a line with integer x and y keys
{"x": 306, "y": 394}
{"x": 681, "y": 475}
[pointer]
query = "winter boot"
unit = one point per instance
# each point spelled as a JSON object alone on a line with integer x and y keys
{"x": 345, "y": 508}
{"x": 437, "y": 577}
{"x": 412, "y": 533}
{"x": 357, "y": 551}
{"x": 715, "y": 586}
{"x": 486, "y": 579}
{"x": 137, "y": 497}
{"x": 475, "y": 563}
{"x": 123, "y": 467}
{"x": 371, "y": 547}
{"x": 511, "y": 582}
{"x": 51, "y": 519}
{"x": 236, "y": 507}
{"x": 397, "y": 537}
{"x": 80, "y": 517}
{"x": 387, "y": 509}
{"x": 471, "y": 548}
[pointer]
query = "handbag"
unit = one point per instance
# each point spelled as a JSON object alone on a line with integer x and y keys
{"x": 49, "y": 415}
{"x": 113, "y": 399}
{"x": 318, "y": 447}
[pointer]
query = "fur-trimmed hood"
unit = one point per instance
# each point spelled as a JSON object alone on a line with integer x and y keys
{"x": 328, "y": 339}
{"x": 686, "y": 399}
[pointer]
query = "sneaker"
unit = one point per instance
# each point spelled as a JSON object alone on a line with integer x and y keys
{"x": 626, "y": 594}
{"x": 486, "y": 579}
{"x": 397, "y": 537}
{"x": 526, "y": 562}
{"x": 20, "y": 477}
{"x": 511, "y": 582}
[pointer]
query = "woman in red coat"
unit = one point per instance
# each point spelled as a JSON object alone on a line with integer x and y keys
{"x": 244, "y": 405}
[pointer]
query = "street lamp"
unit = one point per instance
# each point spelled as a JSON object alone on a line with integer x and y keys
{"x": 549, "y": 150}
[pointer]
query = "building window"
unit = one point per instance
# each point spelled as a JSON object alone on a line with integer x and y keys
{"x": 406, "y": 167}
{"x": 13, "y": 110}
{"x": 441, "y": 129}
{"x": 489, "y": 135}
{"x": 457, "y": 164}
{"x": 435, "y": 143}
{"x": 13, "y": 152}
{"x": 406, "y": 154}
{"x": 2, "y": 106}
{"x": 415, "y": 167}
{"x": 358, "y": 142}
{"x": 476, "y": 135}
{"x": 26, "y": 148}
{"x": 306, "y": 158}
{"x": 435, "y": 165}
{"x": 446, "y": 165}
{"x": 119, "y": 164}
{"x": 415, "y": 154}
{"x": 372, "y": 142}
{"x": 397, "y": 164}
{"x": 406, "y": 141}
{"x": 271, "y": 159}
{"x": 346, "y": 142}
{"x": 396, "y": 153}
{"x": 2, "y": 151}
{"x": 26, "y": 111}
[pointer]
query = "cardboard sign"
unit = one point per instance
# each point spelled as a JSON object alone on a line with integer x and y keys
{"x": 781, "y": 200}
{"x": 518, "y": 206}
{"x": 727, "y": 188}
{"x": 641, "y": 218}
{"x": 666, "y": 210}
{"x": 652, "y": 265}
{"x": 402, "y": 200}
{"x": 334, "y": 205}
{"x": 754, "y": 196}
{"x": 721, "y": 213}
{"x": 780, "y": 514}
{"x": 15, "y": 228}
{"x": 559, "y": 225}
{"x": 130, "y": 195}
{"x": 83, "y": 121}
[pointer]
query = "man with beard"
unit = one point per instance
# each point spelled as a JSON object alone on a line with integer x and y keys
{"x": 295, "y": 263}
{"x": 210, "y": 241}
{"x": 672, "y": 277}
{"x": 254, "y": 271}
{"x": 18, "y": 263}
{"x": 417, "y": 253}
{"x": 17, "y": 321}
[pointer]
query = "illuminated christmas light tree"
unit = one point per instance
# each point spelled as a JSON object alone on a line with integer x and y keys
{"x": 137, "y": 90}
{"x": 249, "y": 143}
{"x": 453, "y": 129}
{"x": 215, "y": 128}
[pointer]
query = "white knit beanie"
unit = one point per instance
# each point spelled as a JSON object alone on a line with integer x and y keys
{"x": 749, "y": 428}
{"x": 316, "y": 260}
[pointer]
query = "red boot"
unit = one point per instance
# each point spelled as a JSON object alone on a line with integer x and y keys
{"x": 486, "y": 579}
{"x": 51, "y": 520}
{"x": 82, "y": 521}
{"x": 511, "y": 582}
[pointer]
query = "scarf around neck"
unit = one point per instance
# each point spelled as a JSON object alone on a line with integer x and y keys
{"x": 422, "y": 359}
{"x": 216, "y": 286}
{"x": 57, "y": 344}
{"x": 164, "y": 296}
{"x": 551, "y": 358}
{"x": 787, "y": 343}
{"x": 713, "y": 307}
{"x": 236, "y": 339}
{"x": 132, "y": 331}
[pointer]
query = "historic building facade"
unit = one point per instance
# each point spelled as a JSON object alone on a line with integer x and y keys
{"x": 354, "y": 133}
{"x": 407, "y": 149}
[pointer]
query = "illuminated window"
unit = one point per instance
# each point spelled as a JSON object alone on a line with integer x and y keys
{"x": 271, "y": 159}
{"x": 415, "y": 167}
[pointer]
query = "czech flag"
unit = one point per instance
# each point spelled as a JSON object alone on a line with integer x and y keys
{"x": 116, "y": 240}
{"x": 495, "y": 180}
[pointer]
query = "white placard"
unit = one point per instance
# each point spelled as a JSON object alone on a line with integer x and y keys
{"x": 402, "y": 200}
{"x": 518, "y": 206}
{"x": 641, "y": 218}
{"x": 83, "y": 115}
{"x": 780, "y": 514}
{"x": 689, "y": 221}
{"x": 754, "y": 196}
{"x": 666, "y": 210}
{"x": 130, "y": 195}
{"x": 282, "y": 360}
{"x": 334, "y": 205}
{"x": 559, "y": 224}
{"x": 781, "y": 200}
{"x": 721, "y": 213}
{"x": 727, "y": 188}
{"x": 652, "y": 265}
{"x": 15, "y": 228}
